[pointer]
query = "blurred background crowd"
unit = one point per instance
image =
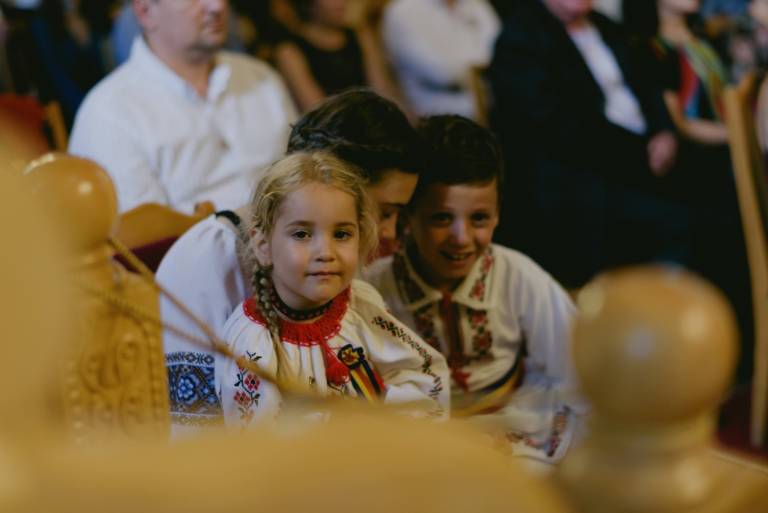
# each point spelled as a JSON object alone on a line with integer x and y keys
{"x": 469, "y": 57}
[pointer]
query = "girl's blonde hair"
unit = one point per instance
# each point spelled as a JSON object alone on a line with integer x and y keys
{"x": 299, "y": 169}
{"x": 282, "y": 178}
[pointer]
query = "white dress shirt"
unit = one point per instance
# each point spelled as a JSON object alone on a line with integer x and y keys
{"x": 161, "y": 142}
{"x": 433, "y": 47}
{"x": 621, "y": 105}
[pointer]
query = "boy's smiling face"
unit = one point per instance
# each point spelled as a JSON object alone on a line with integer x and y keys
{"x": 451, "y": 226}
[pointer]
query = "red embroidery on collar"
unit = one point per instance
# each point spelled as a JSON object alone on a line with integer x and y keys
{"x": 482, "y": 338}
{"x": 311, "y": 334}
{"x": 478, "y": 288}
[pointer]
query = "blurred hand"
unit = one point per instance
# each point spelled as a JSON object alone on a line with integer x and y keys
{"x": 662, "y": 151}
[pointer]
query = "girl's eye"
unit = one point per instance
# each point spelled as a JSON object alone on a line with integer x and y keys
{"x": 300, "y": 234}
{"x": 342, "y": 235}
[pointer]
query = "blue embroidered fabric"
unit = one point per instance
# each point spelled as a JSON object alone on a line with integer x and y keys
{"x": 192, "y": 390}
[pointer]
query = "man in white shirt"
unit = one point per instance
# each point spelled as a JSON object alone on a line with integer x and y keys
{"x": 183, "y": 122}
{"x": 433, "y": 45}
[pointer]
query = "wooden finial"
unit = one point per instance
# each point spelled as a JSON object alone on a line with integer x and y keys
{"x": 655, "y": 349}
{"x": 79, "y": 194}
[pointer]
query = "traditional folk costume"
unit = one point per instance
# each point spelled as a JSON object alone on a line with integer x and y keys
{"x": 207, "y": 251}
{"x": 505, "y": 333}
{"x": 355, "y": 349}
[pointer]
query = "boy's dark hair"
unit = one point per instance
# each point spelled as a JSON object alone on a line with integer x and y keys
{"x": 459, "y": 151}
{"x": 363, "y": 128}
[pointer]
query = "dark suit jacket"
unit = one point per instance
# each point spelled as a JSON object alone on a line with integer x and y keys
{"x": 550, "y": 110}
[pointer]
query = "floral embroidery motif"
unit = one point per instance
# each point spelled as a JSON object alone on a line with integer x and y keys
{"x": 405, "y": 283}
{"x": 426, "y": 366}
{"x": 192, "y": 393}
{"x": 479, "y": 288}
{"x": 482, "y": 339}
{"x": 247, "y": 390}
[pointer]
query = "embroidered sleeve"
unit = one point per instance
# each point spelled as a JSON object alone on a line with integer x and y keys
{"x": 192, "y": 391}
{"x": 245, "y": 398}
{"x": 545, "y": 318}
{"x": 544, "y": 412}
{"x": 412, "y": 371}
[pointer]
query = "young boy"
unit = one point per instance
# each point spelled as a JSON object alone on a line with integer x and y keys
{"x": 500, "y": 320}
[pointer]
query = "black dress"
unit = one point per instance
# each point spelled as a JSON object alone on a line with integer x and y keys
{"x": 335, "y": 70}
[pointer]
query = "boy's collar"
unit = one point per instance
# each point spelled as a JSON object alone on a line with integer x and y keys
{"x": 473, "y": 291}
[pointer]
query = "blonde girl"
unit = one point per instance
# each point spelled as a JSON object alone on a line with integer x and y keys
{"x": 310, "y": 326}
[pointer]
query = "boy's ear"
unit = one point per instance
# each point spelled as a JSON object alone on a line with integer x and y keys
{"x": 260, "y": 247}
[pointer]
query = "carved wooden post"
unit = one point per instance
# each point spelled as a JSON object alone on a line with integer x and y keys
{"x": 115, "y": 382}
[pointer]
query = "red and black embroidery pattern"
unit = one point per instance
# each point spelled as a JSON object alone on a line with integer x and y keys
{"x": 247, "y": 390}
{"x": 482, "y": 338}
{"x": 479, "y": 288}
{"x": 426, "y": 366}
{"x": 311, "y": 334}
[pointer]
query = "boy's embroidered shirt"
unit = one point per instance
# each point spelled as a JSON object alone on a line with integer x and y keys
{"x": 506, "y": 302}
{"x": 381, "y": 359}
{"x": 507, "y": 317}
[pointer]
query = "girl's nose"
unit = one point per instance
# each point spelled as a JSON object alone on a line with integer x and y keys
{"x": 323, "y": 248}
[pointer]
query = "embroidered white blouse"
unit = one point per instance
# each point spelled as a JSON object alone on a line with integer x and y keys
{"x": 381, "y": 358}
{"x": 507, "y": 318}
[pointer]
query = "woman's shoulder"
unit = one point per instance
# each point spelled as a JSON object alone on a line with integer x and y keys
{"x": 210, "y": 244}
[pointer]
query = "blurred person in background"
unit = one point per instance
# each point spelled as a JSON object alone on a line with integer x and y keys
{"x": 693, "y": 78}
{"x": 434, "y": 45}
{"x": 586, "y": 139}
{"x": 325, "y": 56}
{"x": 183, "y": 122}
{"x": 55, "y": 49}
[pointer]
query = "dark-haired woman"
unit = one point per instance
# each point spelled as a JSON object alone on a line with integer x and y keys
{"x": 693, "y": 78}
{"x": 325, "y": 56}
{"x": 205, "y": 269}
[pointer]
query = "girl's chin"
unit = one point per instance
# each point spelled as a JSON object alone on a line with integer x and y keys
{"x": 317, "y": 300}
